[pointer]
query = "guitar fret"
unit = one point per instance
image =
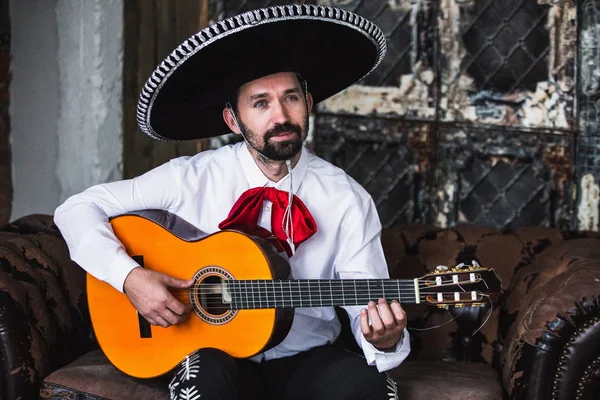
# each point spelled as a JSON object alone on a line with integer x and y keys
{"x": 399, "y": 293}
{"x": 282, "y": 298}
{"x": 266, "y": 293}
{"x": 309, "y": 296}
{"x": 355, "y": 292}
{"x": 320, "y": 294}
{"x": 383, "y": 290}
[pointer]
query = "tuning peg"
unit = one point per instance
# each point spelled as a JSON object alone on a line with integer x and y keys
{"x": 441, "y": 268}
{"x": 460, "y": 266}
{"x": 475, "y": 264}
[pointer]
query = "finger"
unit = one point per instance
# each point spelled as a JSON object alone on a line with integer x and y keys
{"x": 399, "y": 313}
{"x": 170, "y": 317}
{"x": 376, "y": 323}
{"x": 178, "y": 307}
{"x": 387, "y": 316}
{"x": 177, "y": 283}
{"x": 365, "y": 328}
{"x": 151, "y": 321}
{"x": 160, "y": 321}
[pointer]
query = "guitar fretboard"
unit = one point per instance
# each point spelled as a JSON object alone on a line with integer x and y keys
{"x": 257, "y": 294}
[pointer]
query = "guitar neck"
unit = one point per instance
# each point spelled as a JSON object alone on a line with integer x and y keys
{"x": 256, "y": 294}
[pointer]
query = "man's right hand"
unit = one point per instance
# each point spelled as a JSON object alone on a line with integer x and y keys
{"x": 149, "y": 293}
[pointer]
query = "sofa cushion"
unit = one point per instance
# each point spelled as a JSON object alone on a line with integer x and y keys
{"x": 92, "y": 376}
{"x": 447, "y": 380}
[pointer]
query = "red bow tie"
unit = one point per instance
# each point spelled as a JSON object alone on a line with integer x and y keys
{"x": 245, "y": 212}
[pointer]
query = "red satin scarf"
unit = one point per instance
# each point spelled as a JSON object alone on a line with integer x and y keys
{"x": 245, "y": 212}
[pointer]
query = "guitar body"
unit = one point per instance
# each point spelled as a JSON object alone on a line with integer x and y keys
{"x": 167, "y": 244}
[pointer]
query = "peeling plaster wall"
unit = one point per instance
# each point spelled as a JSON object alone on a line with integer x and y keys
{"x": 67, "y": 94}
{"x": 587, "y": 213}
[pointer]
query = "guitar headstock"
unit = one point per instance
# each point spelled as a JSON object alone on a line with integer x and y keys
{"x": 460, "y": 286}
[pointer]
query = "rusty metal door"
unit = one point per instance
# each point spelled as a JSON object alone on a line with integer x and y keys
{"x": 472, "y": 117}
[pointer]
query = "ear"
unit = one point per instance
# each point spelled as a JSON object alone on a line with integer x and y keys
{"x": 309, "y": 101}
{"x": 230, "y": 120}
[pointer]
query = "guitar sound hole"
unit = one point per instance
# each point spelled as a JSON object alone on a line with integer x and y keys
{"x": 210, "y": 296}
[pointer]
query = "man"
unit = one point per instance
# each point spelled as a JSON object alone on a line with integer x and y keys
{"x": 255, "y": 68}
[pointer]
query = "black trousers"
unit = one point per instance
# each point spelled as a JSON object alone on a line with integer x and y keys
{"x": 322, "y": 373}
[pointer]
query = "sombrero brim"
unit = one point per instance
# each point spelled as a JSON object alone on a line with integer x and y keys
{"x": 330, "y": 48}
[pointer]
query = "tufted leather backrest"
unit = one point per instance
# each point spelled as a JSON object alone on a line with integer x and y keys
{"x": 44, "y": 321}
{"x": 414, "y": 250}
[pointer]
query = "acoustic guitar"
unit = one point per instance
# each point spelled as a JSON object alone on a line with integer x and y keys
{"x": 242, "y": 301}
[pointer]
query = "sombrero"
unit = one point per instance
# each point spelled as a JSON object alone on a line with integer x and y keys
{"x": 330, "y": 48}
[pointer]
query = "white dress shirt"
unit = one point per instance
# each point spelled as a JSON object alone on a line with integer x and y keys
{"x": 202, "y": 190}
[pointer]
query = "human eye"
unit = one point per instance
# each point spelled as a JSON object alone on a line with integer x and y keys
{"x": 292, "y": 97}
{"x": 260, "y": 104}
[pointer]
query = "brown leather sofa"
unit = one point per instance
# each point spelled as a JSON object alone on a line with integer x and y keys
{"x": 541, "y": 341}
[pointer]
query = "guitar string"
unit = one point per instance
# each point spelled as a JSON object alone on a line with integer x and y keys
{"x": 435, "y": 326}
{"x": 317, "y": 291}
{"x": 290, "y": 296}
{"x": 281, "y": 302}
{"x": 395, "y": 282}
{"x": 313, "y": 288}
{"x": 307, "y": 284}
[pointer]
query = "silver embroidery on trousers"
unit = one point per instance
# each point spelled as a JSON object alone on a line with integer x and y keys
{"x": 392, "y": 387}
{"x": 189, "y": 368}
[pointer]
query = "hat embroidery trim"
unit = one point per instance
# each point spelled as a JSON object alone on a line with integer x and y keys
{"x": 238, "y": 23}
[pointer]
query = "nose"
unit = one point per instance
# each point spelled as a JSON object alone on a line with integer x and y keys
{"x": 279, "y": 113}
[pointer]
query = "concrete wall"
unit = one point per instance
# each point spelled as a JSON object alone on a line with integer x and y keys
{"x": 66, "y": 98}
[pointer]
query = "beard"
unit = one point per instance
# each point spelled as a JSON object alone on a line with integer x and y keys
{"x": 279, "y": 150}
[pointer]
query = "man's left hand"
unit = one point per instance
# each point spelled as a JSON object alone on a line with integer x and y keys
{"x": 387, "y": 324}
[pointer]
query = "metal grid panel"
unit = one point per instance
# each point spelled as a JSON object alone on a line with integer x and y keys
{"x": 589, "y": 76}
{"x": 507, "y": 44}
{"x": 508, "y": 62}
{"x": 588, "y": 185}
{"x": 398, "y": 21}
{"x": 384, "y": 156}
{"x": 588, "y": 149}
{"x": 504, "y": 179}
{"x": 405, "y": 83}
{"x": 589, "y": 155}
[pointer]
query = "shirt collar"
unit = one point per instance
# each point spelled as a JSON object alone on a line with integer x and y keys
{"x": 256, "y": 178}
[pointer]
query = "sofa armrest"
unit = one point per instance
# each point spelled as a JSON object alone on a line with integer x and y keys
{"x": 44, "y": 322}
{"x": 552, "y": 349}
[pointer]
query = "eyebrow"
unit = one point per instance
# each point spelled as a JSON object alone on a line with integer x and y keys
{"x": 263, "y": 95}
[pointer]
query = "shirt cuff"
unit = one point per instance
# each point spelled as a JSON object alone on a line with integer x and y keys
{"x": 120, "y": 269}
{"x": 386, "y": 360}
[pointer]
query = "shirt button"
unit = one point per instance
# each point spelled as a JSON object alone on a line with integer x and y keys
{"x": 268, "y": 208}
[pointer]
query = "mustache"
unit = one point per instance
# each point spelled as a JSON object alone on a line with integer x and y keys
{"x": 283, "y": 128}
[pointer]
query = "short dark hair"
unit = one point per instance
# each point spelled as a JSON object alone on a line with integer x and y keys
{"x": 234, "y": 97}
